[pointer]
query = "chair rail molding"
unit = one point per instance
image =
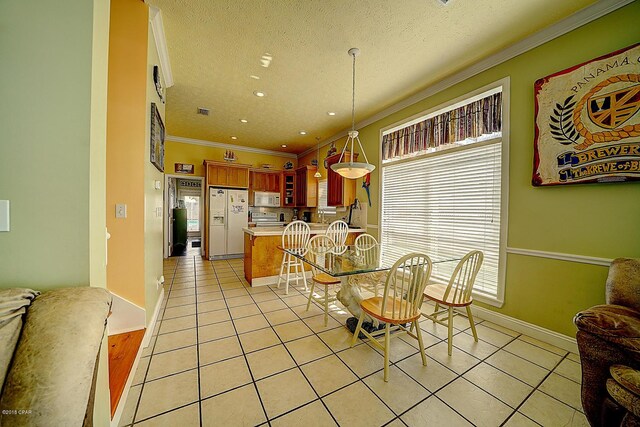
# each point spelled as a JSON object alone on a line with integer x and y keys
{"x": 582, "y": 259}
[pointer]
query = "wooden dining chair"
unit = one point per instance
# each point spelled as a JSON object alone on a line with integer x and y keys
{"x": 338, "y": 231}
{"x": 367, "y": 246}
{"x": 399, "y": 304}
{"x": 457, "y": 293}
{"x": 318, "y": 250}
{"x": 295, "y": 236}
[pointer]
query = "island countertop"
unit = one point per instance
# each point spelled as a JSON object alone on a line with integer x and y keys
{"x": 277, "y": 231}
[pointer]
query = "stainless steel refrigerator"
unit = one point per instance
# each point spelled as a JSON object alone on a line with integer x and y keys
{"x": 228, "y": 215}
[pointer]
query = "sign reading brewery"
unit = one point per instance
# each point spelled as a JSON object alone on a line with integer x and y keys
{"x": 588, "y": 122}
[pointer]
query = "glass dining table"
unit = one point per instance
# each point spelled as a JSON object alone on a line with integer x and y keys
{"x": 359, "y": 267}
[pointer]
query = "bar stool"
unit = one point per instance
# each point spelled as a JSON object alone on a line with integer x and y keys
{"x": 318, "y": 250}
{"x": 295, "y": 236}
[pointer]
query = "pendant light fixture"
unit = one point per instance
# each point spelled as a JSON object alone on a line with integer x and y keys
{"x": 317, "y": 174}
{"x": 350, "y": 169}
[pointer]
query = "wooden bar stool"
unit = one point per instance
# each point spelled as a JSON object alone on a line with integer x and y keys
{"x": 295, "y": 236}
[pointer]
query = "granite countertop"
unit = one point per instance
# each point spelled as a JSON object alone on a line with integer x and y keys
{"x": 277, "y": 231}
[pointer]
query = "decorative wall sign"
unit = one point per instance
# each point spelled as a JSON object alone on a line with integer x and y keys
{"x": 158, "y": 82}
{"x": 184, "y": 168}
{"x": 588, "y": 122}
{"x": 157, "y": 138}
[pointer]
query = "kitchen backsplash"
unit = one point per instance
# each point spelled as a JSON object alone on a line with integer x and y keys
{"x": 358, "y": 217}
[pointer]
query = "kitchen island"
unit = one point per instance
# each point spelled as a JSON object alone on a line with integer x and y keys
{"x": 262, "y": 258}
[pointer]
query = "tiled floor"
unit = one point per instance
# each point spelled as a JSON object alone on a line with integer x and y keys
{"x": 228, "y": 354}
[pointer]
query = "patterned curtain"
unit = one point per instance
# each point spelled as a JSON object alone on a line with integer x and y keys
{"x": 473, "y": 120}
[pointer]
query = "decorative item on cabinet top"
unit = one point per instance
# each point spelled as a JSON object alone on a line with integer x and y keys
{"x": 288, "y": 166}
{"x": 229, "y": 156}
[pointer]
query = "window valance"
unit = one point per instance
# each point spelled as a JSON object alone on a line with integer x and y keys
{"x": 481, "y": 117}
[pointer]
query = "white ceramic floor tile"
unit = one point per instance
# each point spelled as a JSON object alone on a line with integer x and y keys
{"x": 459, "y": 361}
{"x": 519, "y": 420}
{"x": 307, "y": 349}
{"x": 518, "y": 367}
{"x": 506, "y": 388}
{"x": 239, "y": 407}
{"x": 312, "y": 415}
{"x": 172, "y": 362}
{"x": 216, "y": 316}
{"x": 292, "y": 330}
{"x": 547, "y": 411}
{"x": 328, "y": 374}
{"x": 215, "y": 331}
{"x": 189, "y": 416}
{"x": 284, "y": 392}
{"x": 400, "y": 392}
{"x": 175, "y": 340}
{"x": 177, "y": 324}
{"x": 570, "y": 369}
{"x": 433, "y": 376}
{"x": 474, "y": 404}
{"x": 563, "y": 389}
{"x": 257, "y": 340}
{"x": 433, "y": 412}
{"x": 362, "y": 359}
{"x": 269, "y": 361}
{"x": 130, "y": 406}
{"x": 356, "y": 405}
{"x": 214, "y": 351}
{"x": 222, "y": 376}
{"x": 168, "y": 393}
{"x": 537, "y": 355}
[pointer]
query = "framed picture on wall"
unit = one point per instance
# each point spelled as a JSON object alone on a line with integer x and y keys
{"x": 588, "y": 122}
{"x": 157, "y": 139}
{"x": 184, "y": 168}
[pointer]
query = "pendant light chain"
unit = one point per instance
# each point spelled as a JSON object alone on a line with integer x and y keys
{"x": 353, "y": 96}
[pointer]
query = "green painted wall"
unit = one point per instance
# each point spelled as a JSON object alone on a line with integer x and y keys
{"x": 600, "y": 220}
{"x": 46, "y": 51}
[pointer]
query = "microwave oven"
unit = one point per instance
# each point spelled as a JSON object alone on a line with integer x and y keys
{"x": 266, "y": 199}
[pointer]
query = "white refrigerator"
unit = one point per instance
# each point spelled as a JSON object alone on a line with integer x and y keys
{"x": 228, "y": 215}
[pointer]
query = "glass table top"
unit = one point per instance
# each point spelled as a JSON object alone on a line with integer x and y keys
{"x": 351, "y": 259}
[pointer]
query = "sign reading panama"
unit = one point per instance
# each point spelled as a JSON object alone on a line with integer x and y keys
{"x": 588, "y": 122}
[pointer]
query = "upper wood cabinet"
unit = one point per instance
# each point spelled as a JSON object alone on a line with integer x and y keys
{"x": 306, "y": 187}
{"x": 226, "y": 175}
{"x": 340, "y": 191}
{"x": 261, "y": 180}
{"x": 288, "y": 194}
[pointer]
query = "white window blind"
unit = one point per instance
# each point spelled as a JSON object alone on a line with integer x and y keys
{"x": 446, "y": 204}
{"x": 322, "y": 199}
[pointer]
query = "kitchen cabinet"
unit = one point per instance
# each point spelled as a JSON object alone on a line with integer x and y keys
{"x": 340, "y": 191}
{"x": 288, "y": 197}
{"x": 221, "y": 174}
{"x": 306, "y": 187}
{"x": 261, "y": 180}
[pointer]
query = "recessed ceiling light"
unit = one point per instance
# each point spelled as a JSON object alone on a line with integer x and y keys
{"x": 331, "y": 113}
{"x": 254, "y": 77}
{"x": 303, "y": 132}
{"x": 284, "y": 146}
{"x": 234, "y": 137}
{"x": 259, "y": 94}
{"x": 244, "y": 121}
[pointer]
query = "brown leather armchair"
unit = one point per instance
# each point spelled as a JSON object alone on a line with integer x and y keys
{"x": 609, "y": 335}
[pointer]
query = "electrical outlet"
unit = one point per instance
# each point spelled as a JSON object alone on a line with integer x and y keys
{"x": 121, "y": 211}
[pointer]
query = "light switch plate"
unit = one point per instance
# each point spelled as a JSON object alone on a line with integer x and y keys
{"x": 5, "y": 222}
{"x": 121, "y": 211}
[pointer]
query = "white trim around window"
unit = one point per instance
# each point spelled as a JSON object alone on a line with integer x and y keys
{"x": 498, "y": 299}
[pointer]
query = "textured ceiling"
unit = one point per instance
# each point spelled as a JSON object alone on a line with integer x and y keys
{"x": 406, "y": 45}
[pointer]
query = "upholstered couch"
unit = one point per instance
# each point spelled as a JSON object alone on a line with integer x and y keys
{"x": 49, "y": 347}
{"x": 609, "y": 335}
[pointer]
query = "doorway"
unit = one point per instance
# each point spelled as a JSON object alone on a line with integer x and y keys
{"x": 184, "y": 212}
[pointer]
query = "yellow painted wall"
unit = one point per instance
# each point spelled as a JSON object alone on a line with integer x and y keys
{"x": 153, "y": 198}
{"x": 126, "y": 133}
{"x": 599, "y": 220}
{"x": 178, "y": 152}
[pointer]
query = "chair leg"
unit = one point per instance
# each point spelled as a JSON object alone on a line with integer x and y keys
{"x": 297, "y": 271}
{"x": 435, "y": 316}
{"x": 326, "y": 305}
{"x": 472, "y": 323}
{"x": 286, "y": 285}
{"x": 357, "y": 331}
{"x": 284, "y": 255}
{"x": 416, "y": 323}
{"x": 450, "y": 330}
{"x": 387, "y": 344}
{"x": 313, "y": 285}
{"x": 304, "y": 277}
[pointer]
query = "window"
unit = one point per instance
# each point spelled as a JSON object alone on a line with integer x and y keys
{"x": 322, "y": 199}
{"x": 443, "y": 188}
{"x": 192, "y": 203}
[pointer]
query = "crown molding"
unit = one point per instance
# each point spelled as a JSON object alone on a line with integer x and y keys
{"x": 157, "y": 27}
{"x": 570, "y": 23}
{"x": 229, "y": 146}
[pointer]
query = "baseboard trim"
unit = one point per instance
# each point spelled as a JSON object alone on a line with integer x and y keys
{"x": 554, "y": 338}
{"x": 156, "y": 312}
{"x": 125, "y": 392}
